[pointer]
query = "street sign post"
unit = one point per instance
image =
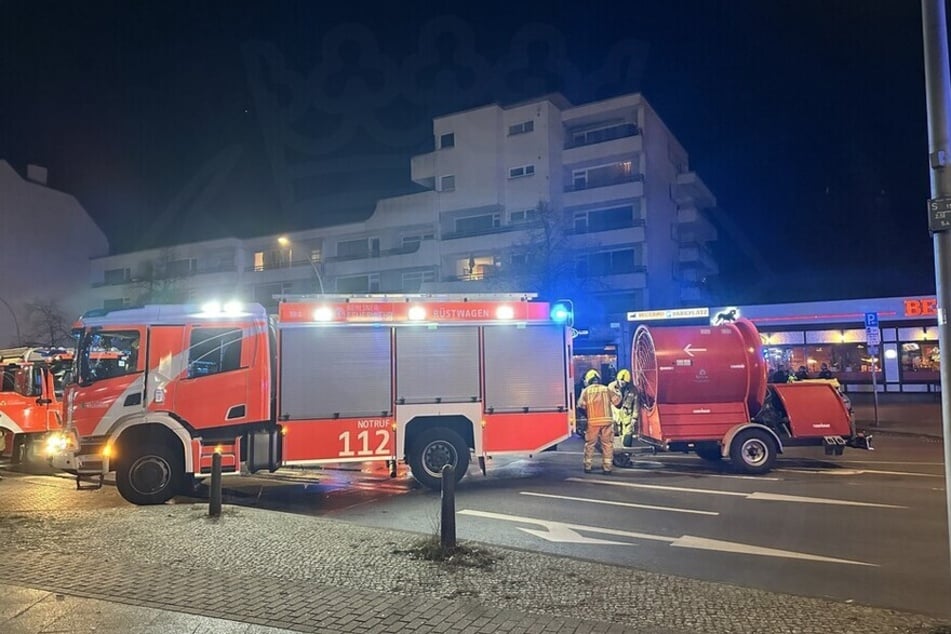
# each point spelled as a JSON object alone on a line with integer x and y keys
{"x": 873, "y": 339}
{"x": 939, "y": 214}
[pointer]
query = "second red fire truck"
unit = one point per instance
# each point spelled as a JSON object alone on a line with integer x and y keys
{"x": 158, "y": 390}
{"x": 31, "y": 384}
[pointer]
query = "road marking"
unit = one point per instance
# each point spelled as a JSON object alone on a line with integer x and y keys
{"x": 773, "y": 497}
{"x": 927, "y": 464}
{"x": 863, "y": 471}
{"x": 624, "y": 504}
{"x": 717, "y": 475}
{"x": 567, "y": 533}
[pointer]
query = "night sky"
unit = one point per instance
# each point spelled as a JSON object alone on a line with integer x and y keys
{"x": 181, "y": 121}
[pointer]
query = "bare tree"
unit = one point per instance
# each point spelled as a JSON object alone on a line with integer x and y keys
{"x": 159, "y": 280}
{"x": 47, "y": 325}
{"x": 545, "y": 261}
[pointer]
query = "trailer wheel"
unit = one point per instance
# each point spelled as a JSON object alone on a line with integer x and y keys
{"x": 433, "y": 449}
{"x": 709, "y": 451}
{"x": 753, "y": 451}
{"x": 152, "y": 475}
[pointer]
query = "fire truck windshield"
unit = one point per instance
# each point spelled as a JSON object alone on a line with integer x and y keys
{"x": 104, "y": 355}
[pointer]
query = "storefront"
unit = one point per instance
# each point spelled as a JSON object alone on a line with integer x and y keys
{"x": 815, "y": 336}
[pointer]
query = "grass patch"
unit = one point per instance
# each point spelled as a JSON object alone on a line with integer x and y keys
{"x": 431, "y": 549}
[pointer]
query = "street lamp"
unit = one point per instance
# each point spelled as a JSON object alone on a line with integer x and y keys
{"x": 16, "y": 323}
{"x": 284, "y": 241}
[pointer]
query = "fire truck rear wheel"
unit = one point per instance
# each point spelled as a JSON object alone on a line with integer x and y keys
{"x": 708, "y": 451}
{"x": 433, "y": 449}
{"x": 153, "y": 476}
{"x": 753, "y": 451}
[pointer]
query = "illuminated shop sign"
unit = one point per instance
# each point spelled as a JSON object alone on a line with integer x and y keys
{"x": 674, "y": 313}
{"x": 921, "y": 307}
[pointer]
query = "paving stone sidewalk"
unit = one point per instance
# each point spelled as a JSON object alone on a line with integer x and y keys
{"x": 320, "y": 575}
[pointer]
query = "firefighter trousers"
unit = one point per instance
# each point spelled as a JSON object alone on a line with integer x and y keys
{"x": 603, "y": 434}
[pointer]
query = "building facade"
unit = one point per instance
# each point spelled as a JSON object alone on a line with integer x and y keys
{"x": 594, "y": 203}
{"x": 46, "y": 242}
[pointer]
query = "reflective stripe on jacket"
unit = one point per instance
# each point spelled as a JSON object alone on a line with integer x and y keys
{"x": 596, "y": 401}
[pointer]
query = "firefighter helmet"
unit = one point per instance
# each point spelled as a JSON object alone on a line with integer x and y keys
{"x": 624, "y": 375}
{"x": 591, "y": 376}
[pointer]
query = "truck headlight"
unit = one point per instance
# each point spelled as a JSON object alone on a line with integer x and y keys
{"x": 56, "y": 443}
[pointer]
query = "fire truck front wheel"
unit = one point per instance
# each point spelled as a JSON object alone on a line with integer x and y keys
{"x": 753, "y": 451}
{"x": 433, "y": 449}
{"x": 153, "y": 475}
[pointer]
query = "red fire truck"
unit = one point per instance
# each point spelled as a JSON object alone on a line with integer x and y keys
{"x": 31, "y": 384}
{"x": 704, "y": 388}
{"x": 429, "y": 380}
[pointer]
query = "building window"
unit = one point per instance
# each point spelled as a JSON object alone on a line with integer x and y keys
{"x": 599, "y": 135}
{"x": 475, "y": 268}
{"x": 523, "y": 215}
{"x": 616, "y": 262}
{"x": 115, "y": 304}
{"x": 604, "y": 219}
{"x": 447, "y": 183}
{"x": 413, "y": 280}
{"x": 602, "y": 175}
{"x": 447, "y": 140}
{"x": 258, "y": 260}
{"x": 116, "y": 276}
{"x": 522, "y": 170}
{"x": 478, "y": 224}
{"x": 521, "y": 128}
{"x": 181, "y": 268}
{"x": 411, "y": 243}
{"x": 522, "y": 260}
{"x": 353, "y": 249}
{"x": 359, "y": 283}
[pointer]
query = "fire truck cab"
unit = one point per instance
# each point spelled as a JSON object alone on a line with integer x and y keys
{"x": 31, "y": 386}
{"x": 424, "y": 379}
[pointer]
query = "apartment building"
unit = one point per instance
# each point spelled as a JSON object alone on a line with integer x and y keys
{"x": 46, "y": 242}
{"x": 594, "y": 202}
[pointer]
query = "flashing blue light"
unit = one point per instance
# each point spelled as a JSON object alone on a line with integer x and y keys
{"x": 560, "y": 313}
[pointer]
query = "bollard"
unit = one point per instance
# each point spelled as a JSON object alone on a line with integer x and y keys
{"x": 214, "y": 502}
{"x": 448, "y": 518}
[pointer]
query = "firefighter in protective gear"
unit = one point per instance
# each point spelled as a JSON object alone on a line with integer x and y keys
{"x": 624, "y": 415}
{"x": 596, "y": 401}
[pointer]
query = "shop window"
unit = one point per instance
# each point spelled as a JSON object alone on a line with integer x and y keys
{"x": 920, "y": 361}
{"x": 847, "y": 362}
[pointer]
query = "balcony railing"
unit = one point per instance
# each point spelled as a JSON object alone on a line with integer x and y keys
{"x": 630, "y": 178}
{"x": 638, "y": 222}
{"x": 485, "y": 231}
{"x": 600, "y": 136}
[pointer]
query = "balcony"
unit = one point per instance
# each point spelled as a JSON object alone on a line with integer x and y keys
{"x": 625, "y": 188}
{"x": 692, "y": 226}
{"x": 423, "y": 170}
{"x": 485, "y": 231}
{"x": 695, "y": 254}
{"x": 623, "y": 145}
{"x": 689, "y": 190}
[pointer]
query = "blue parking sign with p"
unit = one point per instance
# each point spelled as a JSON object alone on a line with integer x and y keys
{"x": 871, "y": 320}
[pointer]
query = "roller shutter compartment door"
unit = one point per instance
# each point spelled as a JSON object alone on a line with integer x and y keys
{"x": 437, "y": 365}
{"x": 335, "y": 372}
{"x": 525, "y": 368}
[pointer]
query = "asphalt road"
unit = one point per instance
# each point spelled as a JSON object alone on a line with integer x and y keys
{"x": 870, "y": 527}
